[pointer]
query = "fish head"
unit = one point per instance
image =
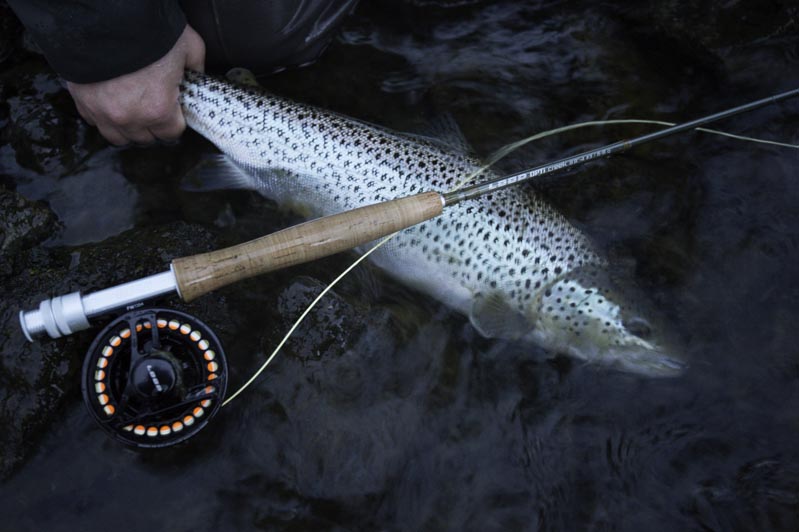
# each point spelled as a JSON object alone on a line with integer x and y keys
{"x": 584, "y": 314}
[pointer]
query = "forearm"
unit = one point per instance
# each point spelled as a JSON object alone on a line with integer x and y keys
{"x": 86, "y": 41}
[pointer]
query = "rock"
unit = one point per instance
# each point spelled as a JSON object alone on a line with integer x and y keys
{"x": 327, "y": 330}
{"x": 43, "y": 126}
{"x": 37, "y": 116}
{"x": 716, "y": 25}
{"x": 10, "y": 32}
{"x": 22, "y": 224}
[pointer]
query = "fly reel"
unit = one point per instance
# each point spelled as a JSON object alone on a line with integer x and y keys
{"x": 154, "y": 377}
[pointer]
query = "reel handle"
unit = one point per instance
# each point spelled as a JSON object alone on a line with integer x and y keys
{"x": 203, "y": 273}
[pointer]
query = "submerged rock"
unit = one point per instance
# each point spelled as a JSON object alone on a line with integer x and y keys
{"x": 44, "y": 127}
{"x": 23, "y": 224}
{"x": 721, "y": 24}
{"x": 329, "y": 329}
{"x": 10, "y": 32}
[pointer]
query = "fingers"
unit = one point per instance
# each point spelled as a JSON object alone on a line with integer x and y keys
{"x": 171, "y": 127}
{"x": 166, "y": 130}
{"x": 141, "y": 136}
{"x": 107, "y": 129}
{"x": 195, "y": 49}
{"x": 128, "y": 116}
{"x": 85, "y": 113}
{"x": 112, "y": 134}
{"x": 167, "y": 127}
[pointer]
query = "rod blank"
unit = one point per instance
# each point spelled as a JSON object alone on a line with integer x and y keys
{"x": 605, "y": 151}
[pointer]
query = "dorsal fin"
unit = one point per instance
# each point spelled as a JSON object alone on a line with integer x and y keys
{"x": 242, "y": 76}
{"x": 443, "y": 131}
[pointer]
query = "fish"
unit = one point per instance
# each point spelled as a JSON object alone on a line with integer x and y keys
{"x": 507, "y": 260}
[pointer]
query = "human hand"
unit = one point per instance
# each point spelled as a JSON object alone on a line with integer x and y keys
{"x": 142, "y": 106}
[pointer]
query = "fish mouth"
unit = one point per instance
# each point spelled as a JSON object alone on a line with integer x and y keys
{"x": 647, "y": 362}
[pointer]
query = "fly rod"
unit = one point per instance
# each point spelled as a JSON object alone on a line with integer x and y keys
{"x": 193, "y": 276}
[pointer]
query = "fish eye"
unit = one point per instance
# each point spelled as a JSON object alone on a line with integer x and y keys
{"x": 639, "y": 327}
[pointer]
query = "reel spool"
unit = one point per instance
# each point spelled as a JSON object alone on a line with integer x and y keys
{"x": 154, "y": 377}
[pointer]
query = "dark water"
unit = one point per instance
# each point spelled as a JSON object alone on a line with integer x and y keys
{"x": 387, "y": 411}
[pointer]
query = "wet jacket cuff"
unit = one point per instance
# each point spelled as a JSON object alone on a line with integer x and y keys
{"x": 87, "y": 41}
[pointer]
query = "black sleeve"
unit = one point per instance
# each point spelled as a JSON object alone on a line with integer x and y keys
{"x": 94, "y": 40}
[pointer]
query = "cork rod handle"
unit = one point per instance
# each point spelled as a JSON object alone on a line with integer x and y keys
{"x": 200, "y": 274}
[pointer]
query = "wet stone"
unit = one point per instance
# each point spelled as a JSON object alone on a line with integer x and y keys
{"x": 22, "y": 225}
{"x": 328, "y": 329}
{"x": 720, "y": 24}
{"x": 44, "y": 128}
{"x": 10, "y": 32}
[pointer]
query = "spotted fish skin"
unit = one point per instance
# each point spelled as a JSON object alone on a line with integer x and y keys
{"x": 493, "y": 258}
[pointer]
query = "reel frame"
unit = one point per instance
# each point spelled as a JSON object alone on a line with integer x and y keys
{"x": 154, "y": 377}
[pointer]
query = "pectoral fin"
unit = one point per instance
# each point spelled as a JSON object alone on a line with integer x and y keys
{"x": 216, "y": 172}
{"x": 493, "y": 317}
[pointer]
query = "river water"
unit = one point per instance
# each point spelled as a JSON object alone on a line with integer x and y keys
{"x": 387, "y": 411}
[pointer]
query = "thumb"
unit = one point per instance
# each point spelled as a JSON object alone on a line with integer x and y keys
{"x": 195, "y": 49}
